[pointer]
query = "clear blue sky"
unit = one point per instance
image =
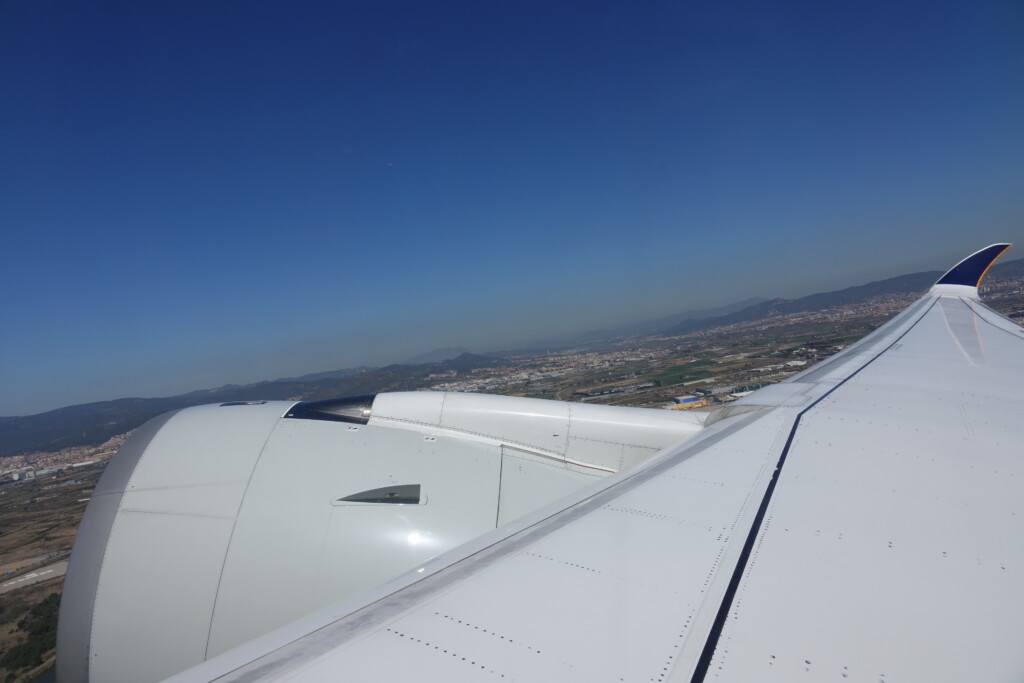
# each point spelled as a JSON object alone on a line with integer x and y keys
{"x": 197, "y": 193}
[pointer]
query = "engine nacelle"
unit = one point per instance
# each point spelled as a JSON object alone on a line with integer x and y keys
{"x": 215, "y": 524}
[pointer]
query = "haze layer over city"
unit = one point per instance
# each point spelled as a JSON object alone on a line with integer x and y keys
{"x": 199, "y": 194}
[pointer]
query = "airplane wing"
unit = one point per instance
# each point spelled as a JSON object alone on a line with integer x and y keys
{"x": 859, "y": 522}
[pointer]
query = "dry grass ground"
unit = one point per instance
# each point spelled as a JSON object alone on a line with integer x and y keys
{"x": 38, "y": 520}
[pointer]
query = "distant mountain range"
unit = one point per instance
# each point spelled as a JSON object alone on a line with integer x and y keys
{"x": 437, "y": 355}
{"x": 916, "y": 282}
{"x": 660, "y": 324}
{"x": 901, "y": 284}
{"x": 94, "y": 423}
{"x": 316, "y": 376}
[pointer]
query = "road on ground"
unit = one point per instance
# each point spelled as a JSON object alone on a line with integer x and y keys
{"x": 51, "y": 571}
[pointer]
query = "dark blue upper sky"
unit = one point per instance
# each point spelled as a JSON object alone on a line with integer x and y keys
{"x": 201, "y": 193}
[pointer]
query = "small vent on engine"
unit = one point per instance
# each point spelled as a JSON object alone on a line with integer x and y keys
{"x": 402, "y": 494}
{"x": 348, "y": 409}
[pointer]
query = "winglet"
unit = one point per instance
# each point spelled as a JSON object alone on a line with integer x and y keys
{"x": 964, "y": 278}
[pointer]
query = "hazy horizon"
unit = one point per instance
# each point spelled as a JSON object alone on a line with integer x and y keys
{"x": 200, "y": 194}
{"x": 385, "y": 359}
{"x": 535, "y": 343}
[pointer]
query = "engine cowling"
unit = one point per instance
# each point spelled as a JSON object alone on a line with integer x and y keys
{"x": 215, "y": 524}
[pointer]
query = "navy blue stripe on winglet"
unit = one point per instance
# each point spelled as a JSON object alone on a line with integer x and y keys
{"x": 972, "y": 269}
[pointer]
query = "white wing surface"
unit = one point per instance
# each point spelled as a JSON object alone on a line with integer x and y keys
{"x": 860, "y": 522}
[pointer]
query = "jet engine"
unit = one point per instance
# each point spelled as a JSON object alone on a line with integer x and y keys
{"x": 215, "y": 524}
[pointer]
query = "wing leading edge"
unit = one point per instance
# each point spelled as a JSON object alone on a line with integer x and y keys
{"x": 857, "y": 522}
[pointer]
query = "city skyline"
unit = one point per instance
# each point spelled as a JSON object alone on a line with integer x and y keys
{"x": 196, "y": 196}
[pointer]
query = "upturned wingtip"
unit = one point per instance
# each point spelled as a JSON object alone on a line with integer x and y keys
{"x": 971, "y": 271}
